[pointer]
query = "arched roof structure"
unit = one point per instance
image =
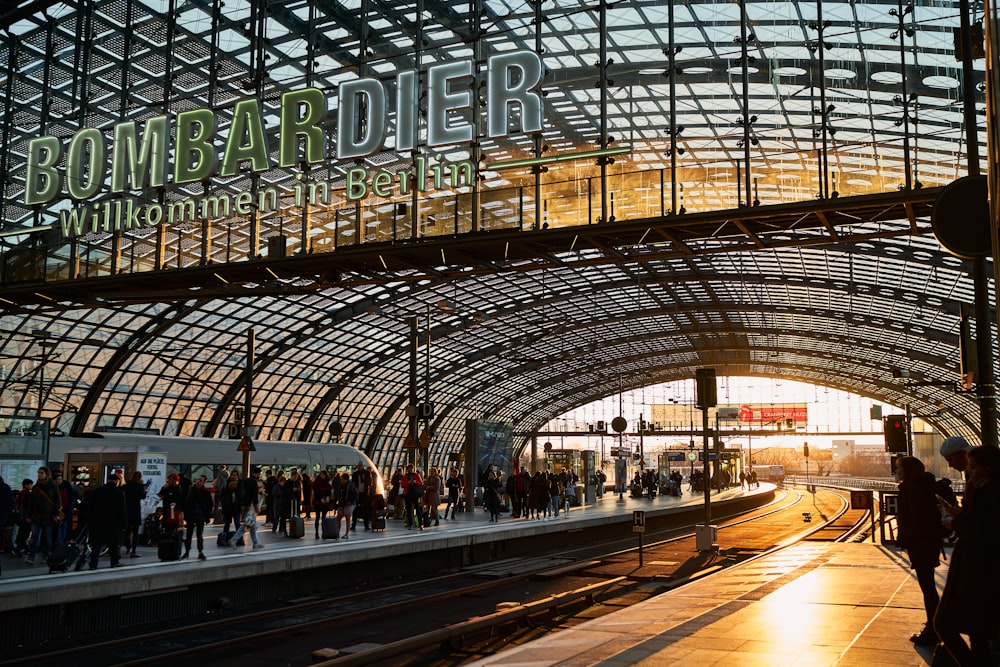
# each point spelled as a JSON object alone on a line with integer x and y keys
{"x": 767, "y": 212}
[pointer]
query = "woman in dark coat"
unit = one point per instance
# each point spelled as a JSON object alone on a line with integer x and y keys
{"x": 538, "y": 495}
{"x": 322, "y": 497}
{"x": 230, "y": 503}
{"x": 135, "y": 493}
{"x": 491, "y": 495}
{"x": 969, "y": 602}
{"x": 107, "y": 520}
{"x": 920, "y": 533}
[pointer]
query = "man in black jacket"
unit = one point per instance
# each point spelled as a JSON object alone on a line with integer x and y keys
{"x": 108, "y": 519}
{"x": 197, "y": 511}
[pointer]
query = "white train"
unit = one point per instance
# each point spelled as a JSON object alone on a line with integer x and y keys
{"x": 202, "y": 456}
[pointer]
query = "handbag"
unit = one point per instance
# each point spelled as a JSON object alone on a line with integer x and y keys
{"x": 250, "y": 518}
{"x": 59, "y": 516}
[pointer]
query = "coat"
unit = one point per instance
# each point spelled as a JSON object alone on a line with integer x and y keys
{"x": 971, "y": 592}
{"x": 135, "y": 493}
{"x": 432, "y": 491}
{"x": 198, "y": 505}
{"x": 106, "y": 508}
{"x": 920, "y": 530}
{"x": 43, "y": 502}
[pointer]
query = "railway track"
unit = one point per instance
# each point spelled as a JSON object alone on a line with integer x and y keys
{"x": 458, "y": 616}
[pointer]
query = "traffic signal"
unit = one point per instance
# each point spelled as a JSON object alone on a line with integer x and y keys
{"x": 894, "y": 427}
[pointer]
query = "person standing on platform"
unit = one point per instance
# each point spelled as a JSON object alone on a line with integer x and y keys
{"x": 920, "y": 533}
{"x": 970, "y": 604}
{"x": 307, "y": 483}
{"x": 218, "y": 484}
{"x": 538, "y": 496}
{"x": 229, "y": 503}
{"x": 172, "y": 497}
{"x": 107, "y": 520}
{"x": 250, "y": 508}
{"x": 555, "y": 494}
{"x": 283, "y": 505}
{"x": 293, "y": 487}
{"x": 322, "y": 497}
{"x": 364, "y": 481}
{"x": 67, "y": 501}
{"x": 346, "y": 495}
{"x": 412, "y": 489}
{"x": 43, "y": 507}
{"x": 8, "y": 506}
{"x": 396, "y": 499}
{"x": 432, "y": 496}
{"x": 269, "y": 500}
{"x": 197, "y": 512}
{"x": 955, "y": 451}
{"x": 22, "y": 526}
{"x": 135, "y": 492}
{"x": 453, "y": 485}
{"x": 491, "y": 495}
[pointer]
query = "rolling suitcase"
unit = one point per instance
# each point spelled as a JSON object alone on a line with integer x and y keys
{"x": 169, "y": 548}
{"x": 378, "y": 522}
{"x": 296, "y": 525}
{"x": 331, "y": 528}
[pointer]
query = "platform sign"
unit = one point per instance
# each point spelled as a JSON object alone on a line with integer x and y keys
{"x": 861, "y": 500}
{"x": 246, "y": 445}
{"x": 890, "y": 504}
{"x": 638, "y": 521}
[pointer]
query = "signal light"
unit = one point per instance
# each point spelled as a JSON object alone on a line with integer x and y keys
{"x": 894, "y": 428}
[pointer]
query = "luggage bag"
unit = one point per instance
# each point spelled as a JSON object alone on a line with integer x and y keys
{"x": 331, "y": 528}
{"x": 296, "y": 525}
{"x": 378, "y": 522}
{"x": 169, "y": 548}
{"x": 224, "y": 537}
{"x": 63, "y": 557}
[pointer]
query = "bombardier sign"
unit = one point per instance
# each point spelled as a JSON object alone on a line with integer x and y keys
{"x": 135, "y": 164}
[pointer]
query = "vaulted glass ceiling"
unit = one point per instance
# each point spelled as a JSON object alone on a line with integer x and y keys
{"x": 722, "y": 110}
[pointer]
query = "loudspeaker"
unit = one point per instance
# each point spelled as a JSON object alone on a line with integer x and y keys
{"x": 705, "y": 380}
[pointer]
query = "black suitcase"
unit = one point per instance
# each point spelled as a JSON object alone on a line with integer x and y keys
{"x": 224, "y": 537}
{"x": 169, "y": 548}
{"x": 296, "y": 527}
{"x": 331, "y": 528}
{"x": 378, "y": 522}
{"x": 63, "y": 557}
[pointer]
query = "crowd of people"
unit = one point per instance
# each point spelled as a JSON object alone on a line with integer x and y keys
{"x": 49, "y": 511}
{"x": 928, "y": 515}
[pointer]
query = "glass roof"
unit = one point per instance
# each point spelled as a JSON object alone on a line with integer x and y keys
{"x": 564, "y": 282}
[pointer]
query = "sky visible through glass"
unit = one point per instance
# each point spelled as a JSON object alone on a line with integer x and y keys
{"x": 831, "y": 411}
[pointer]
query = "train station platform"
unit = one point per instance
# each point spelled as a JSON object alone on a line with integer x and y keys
{"x": 812, "y": 604}
{"x": 37, "y": 606}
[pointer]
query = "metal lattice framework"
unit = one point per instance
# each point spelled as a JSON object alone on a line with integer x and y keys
{"x": 768, "y": 215}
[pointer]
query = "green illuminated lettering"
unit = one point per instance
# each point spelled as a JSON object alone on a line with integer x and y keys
{"x": 131, "y": 165}
{"x": 356, "y": 188}
{"x": 382, "y": 184}
{"x": 215, "y": 206}
{"x": 301, "y": 113}
{"x": 246, "y": 140}
{"x": 195, "y": 158}
{"x": 85, "y": 160}
{"x": 42, "y": 182}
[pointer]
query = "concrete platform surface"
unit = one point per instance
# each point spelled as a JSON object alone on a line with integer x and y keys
{"x": 809, "y": 605}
